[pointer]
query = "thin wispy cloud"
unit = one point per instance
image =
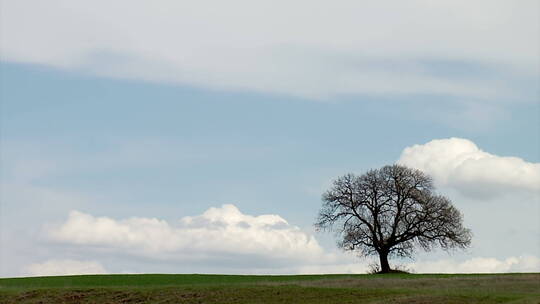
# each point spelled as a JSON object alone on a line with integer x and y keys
{"x": 311, "y": 49}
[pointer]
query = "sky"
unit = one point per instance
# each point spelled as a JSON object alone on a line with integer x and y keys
{"x": 198, "y": 136}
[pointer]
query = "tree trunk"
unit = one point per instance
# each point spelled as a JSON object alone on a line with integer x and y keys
{"x": 385, "y": 267}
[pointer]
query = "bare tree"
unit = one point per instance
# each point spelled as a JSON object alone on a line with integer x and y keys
{"x": 390, "y": 212}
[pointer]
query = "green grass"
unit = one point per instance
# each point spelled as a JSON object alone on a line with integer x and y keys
{"x": 193, "y": 288}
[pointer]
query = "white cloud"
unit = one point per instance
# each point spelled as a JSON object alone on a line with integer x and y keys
{"x": 63, "y": 267}
{"x": 304, "y": 48}
{"x": 348, "y": 264}
{"x": 345, "y": 265}
{"x": 218, "y": 234}
{"x": 225, "y": 240}
{"x": 460, "y": 164}
{"x": 479, "y": 265}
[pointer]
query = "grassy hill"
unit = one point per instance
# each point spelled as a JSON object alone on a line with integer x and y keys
{"x": 194, "y": 288}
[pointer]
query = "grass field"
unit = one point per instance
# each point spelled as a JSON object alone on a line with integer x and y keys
{"x": 192, "y": 288}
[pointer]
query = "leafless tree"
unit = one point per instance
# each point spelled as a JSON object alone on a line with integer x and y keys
{"x": 389, "y": 212}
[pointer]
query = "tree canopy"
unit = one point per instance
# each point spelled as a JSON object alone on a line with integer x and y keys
{"x": 390, "y": 212}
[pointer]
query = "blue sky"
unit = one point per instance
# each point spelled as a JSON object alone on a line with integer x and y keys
{"x": 115, "y": 120}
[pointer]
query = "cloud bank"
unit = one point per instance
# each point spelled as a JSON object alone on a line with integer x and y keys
{"x": 479, "y": 265}
{"x": 219, "y": 234}
{"x": 313, "y": 49}
{"x": 525, "y": 263}
{"x": 346, "y": 264}
{"x": 63, "y": 267}
{"x": 460, "y": 164}
{"x": 235, "y": 243}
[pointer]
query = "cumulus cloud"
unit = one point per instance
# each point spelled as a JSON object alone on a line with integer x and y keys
{"x": 479, "y": 265}
{"x": 63, "y": 267}
{"x": 218, "y": 234}
{"x": 228, "y": 241}
{"x": 460, "y": 164}
{"x": 304, "y": 48}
